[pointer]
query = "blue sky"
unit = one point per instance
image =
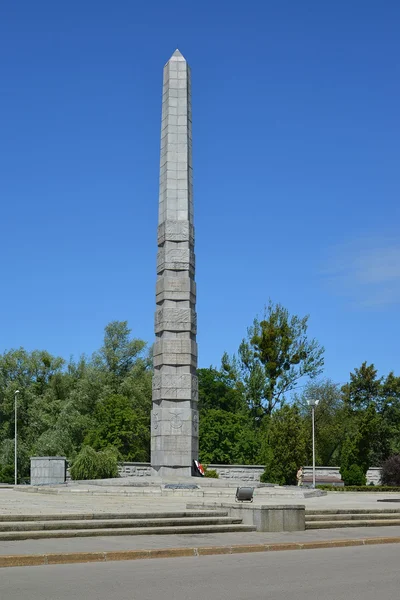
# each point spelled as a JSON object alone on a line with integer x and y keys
{"x": 296, "y": 161}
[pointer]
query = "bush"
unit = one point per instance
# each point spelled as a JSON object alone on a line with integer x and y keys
{"x": 108, "y": 463}
{"x": 90, "y": 464}
{"x": 7, "y": 473}
{"x": 212, "y": 473}
{"x": 390, "y": 473}
{"x": 353, "y": 475}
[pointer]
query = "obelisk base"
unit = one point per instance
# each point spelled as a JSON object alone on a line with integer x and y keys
{"x": 174, "y": 440}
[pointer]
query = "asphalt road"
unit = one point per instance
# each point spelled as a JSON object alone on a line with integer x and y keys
{"x": 358, "y": 573}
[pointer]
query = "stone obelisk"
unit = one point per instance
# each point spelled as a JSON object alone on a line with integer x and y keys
{"x": 174, "y": 419}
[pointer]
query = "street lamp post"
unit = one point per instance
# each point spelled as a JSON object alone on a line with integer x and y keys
{"x": 15, "y": 438}
{"x": 313, "y": 403}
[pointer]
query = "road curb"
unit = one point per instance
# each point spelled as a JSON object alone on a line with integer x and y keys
{"x": 65, "y": 558}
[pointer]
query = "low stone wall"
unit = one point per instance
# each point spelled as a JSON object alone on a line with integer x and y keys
{"x": 135, "y": 469}
{"x": 247, "y": 473}
{"x": 373, "y": 474}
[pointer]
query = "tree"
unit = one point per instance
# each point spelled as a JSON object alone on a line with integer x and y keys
{"x": 358, "y": 447}
{"x": 331, "y": 424}
{"x": 275, "y": 356}
{"x": 363, "y": 388}
{"x": 391, "y": 471}
{"x": 117, "y": 424}
{"x": 286, "y": 446}
{"x": 372, "y": 412}
{"x": 119, "y": 353}
{"x": 61, "y": 403}
{"x": 227, "y": 438}
{"x": 218, "y": 391}
{"x": 389, "y": 404}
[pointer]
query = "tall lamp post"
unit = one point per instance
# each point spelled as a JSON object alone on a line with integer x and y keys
{"x": 15, "y": 438}
{"x": 313, "y": 403}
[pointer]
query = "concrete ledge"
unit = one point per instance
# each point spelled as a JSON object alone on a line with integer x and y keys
{"x": 26, "y": 560}
{"x": 271, "y": 518}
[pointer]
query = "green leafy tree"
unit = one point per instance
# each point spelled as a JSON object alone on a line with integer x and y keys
{"x": 60, "y": 403}
{"x": 373, "y": 413}
{"x": 117, "y": 424}
{"x": 358, "y": 447}
{"x": 217, "y": 390}
{"x": 286, "y": 446}
{"x": 119, "y": 352}
{"x": 331, "y": 422}
{"x": 227, "y": 438}
{"x": 389, "y": 405}
{"x": 275, "y": 356}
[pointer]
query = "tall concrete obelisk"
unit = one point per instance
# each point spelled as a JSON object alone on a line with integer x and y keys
{"x": 174, "y": 419}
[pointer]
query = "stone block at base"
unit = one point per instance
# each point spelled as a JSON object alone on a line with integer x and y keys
{"x": 48, "y": 470}
{"x": 272, "y": 518}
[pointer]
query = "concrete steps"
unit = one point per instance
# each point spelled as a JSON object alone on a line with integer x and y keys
{"x": 332, "y": 519}
{"x": 119, "y": 516}
{"x": 25, "y": 527}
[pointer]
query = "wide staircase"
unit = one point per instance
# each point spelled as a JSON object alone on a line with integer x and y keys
{"x": 33, "y": 527}
{"x": 330, "y": 519}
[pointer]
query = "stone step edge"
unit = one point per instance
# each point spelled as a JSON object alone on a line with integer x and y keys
{"x": 75, "y": 533}
{"x": 352, "y": 517}
{"x": 352, "y": 511}
{"x": 25, "y": 560}
{"x": 183, "y": 514}
{"x": 13, "y": 526}
{"x": 342, "y": 524}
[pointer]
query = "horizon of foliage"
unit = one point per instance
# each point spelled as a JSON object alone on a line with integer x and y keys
{"x": 252, "y": 410}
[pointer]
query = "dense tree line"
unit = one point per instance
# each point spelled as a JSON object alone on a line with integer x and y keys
{"x": 253, "y": 408}
{"x": 102, "y": 401}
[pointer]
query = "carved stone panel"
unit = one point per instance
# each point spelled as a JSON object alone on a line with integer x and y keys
{"x": 176, "y": 319}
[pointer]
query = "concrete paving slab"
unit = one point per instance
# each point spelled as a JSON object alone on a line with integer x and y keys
{"x": 153, "y": 542}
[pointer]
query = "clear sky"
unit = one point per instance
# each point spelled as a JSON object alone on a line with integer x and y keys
{"x": 296, "y": 129}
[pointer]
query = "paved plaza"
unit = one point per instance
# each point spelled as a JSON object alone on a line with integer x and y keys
{"x": 18, "y": 502}
{"x": 90, "y": 499}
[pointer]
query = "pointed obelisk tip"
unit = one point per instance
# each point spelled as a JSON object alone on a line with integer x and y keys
{"x": 177, "y": 55}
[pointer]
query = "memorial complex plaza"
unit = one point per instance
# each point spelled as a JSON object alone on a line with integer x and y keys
{"x": 170, "y": 512}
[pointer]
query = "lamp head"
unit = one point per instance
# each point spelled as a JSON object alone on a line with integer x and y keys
{"x": 313, "y": 402}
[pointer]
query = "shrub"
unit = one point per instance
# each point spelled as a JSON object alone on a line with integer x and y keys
{"x": 212, "y": 473}
{"x": 7, "y": 473}
{"x": 108, "y": 463}
{"x": 90, "y": 464}
{"x": 353, "y": 475}
{"x": 390, "y": 473}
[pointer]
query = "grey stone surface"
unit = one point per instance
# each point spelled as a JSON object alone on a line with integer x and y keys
{"x": 245, "y": 473}
{"x": 48, "y": 470}
{"x": 364, "y": 573}
{"x": 151, "y": 542}
{"x": 373, "y": 474}
{"x": 271, "y": 518}
{"x": 174, "y": 422}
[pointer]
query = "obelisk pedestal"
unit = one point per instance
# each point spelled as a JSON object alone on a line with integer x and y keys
{"x": 174, "y": 419}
